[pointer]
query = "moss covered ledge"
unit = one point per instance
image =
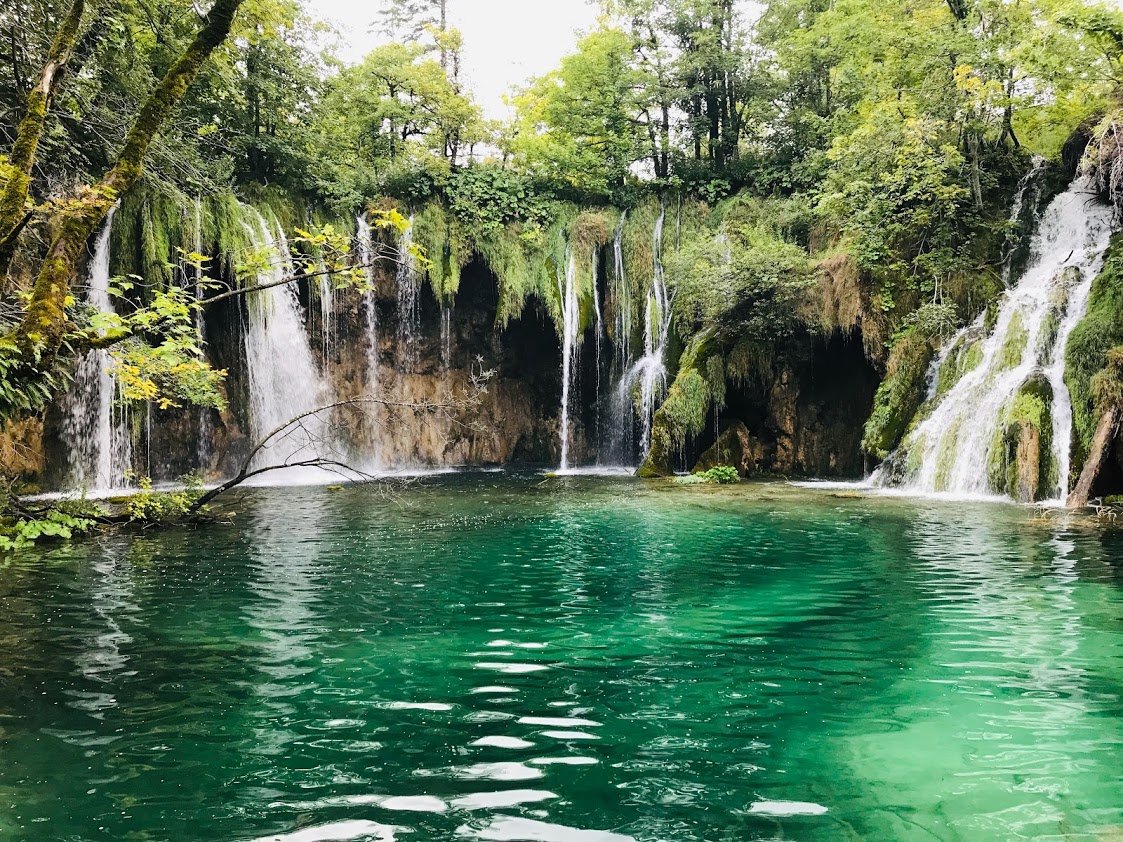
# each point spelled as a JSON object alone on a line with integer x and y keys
{"x": 900, "y": 395}
{"x": 683, "y": 413}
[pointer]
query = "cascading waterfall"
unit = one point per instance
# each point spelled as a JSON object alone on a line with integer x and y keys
{"x": 949, "y": 451}
{"x": 284, "y": 381}
{"x": 204, "y": 432}
{"x": 620, "y": 424}
{"x": 650, "y": 371}
{"x": 327, "y": 310}
{"x": 409, "y": 299}
{"x": 1031, "y": 181}
{"x": 366, "y": 257}
{"x": 571, "y": 329}
{"x": 94, "y": 424}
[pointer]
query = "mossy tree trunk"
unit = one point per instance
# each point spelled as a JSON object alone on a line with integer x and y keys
{"x": 43, "y": 329}
{"x": 1101, "y": 444}
{"x": 13, "y": 198}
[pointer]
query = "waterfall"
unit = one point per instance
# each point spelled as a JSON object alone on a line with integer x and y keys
{"x": 446, "y": 337}
{"x": 284, "y": 381}
{"x": 571, "y": 329}
{"x": 949, "y": 451}
{"x": 623, "y": 299}
{"x": 1031, "y": 181}
{"x": 327, "y": 310}
{"x": 366, "y": 257}
{"x": 650, "y": 371}
{"x": 205, "y": 429}
{"x": 621, "y": 406}
{"x": 409, "y": 299}
{"x": 93, "y": 425}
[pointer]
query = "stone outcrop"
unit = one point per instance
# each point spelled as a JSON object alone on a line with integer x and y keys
{"x": 735, "y": 448}
{"x": 1021, "y": 463}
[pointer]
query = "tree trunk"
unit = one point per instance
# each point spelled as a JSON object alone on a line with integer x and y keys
{"x": 1101, "y": 444}
{"x": 13, "y": 199}
{"x": 41, "y": 333}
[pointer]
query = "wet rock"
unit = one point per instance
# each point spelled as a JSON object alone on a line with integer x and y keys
{"x": 736, "y": 448}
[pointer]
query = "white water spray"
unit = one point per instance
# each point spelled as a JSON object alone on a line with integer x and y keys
{"x": 366, "y": 257}
{"x": 409, "y": 299}
{"x": 650, "y": 371}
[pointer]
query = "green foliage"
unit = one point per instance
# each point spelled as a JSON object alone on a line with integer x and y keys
{"x": 576, "y": 126}
{"x": 935, "y": 321}
{"x": 1107, "y": 385}
{"x": 745, "y": 281}
{"x": 148, "y": 506}
{"x": 20, "y": 532}
{"x": 719, "y": 475}
{"x": 486, "y": 199}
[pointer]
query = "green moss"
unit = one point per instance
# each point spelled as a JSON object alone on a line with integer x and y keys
{"x": 441, "y": 236}
{"x": 1014, "y": 347}
{"x": 1099, "y": 331}
{"x": 1026, "y": 475}
{"x": 900, "y": 395}
{"x": 946, "y": 455}
{"x": 915, "y": 454}
{"x": 684, "y": 412}
{"x": 964, "y": 358}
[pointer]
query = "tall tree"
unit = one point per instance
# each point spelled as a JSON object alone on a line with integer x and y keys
{"x": 31, "y": 348}
{"x": 411, "y": 20}
{"x": 13, "y": 196}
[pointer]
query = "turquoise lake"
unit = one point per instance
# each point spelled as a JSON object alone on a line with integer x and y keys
{"x": 503, "y": 657}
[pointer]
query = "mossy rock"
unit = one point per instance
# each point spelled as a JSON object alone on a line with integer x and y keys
{"x": 685, "y": 410}
{"x": 1014, "y": 346}
{"x": 1098, "y": 332}
{"x": 900, "y": 396}
{"x": 1020, "y": 462}
{"x": 735, "y": 447}
{"x": 964, "y": 357}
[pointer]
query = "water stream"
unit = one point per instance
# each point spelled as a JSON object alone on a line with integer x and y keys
{"x": 366, "y": 258}
{"x": 409, "y": 300}
{"x": 93, "y": 422}
{"x": 571, "y": 336}
{"x": 650, "y": 371}
{"x": 284, "y": 381}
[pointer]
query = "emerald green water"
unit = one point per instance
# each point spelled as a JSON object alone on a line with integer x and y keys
{"x": 581, "y": 660}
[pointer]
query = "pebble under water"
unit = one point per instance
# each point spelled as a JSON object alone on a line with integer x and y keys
{"x": 498, "y": 657}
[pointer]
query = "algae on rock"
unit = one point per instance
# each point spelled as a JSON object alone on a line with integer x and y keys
{"x": 901, "y": 394}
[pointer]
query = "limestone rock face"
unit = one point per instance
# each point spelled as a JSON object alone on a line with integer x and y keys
{"x": 736, "y": 448}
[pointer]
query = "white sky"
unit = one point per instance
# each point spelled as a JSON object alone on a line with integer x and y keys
{"x": 506, "y": 42}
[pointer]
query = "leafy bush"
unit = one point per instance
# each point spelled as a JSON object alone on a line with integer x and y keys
{"x": 719, "y": 475}
{"x": 722, "y": 475}
{"x": 149, "y": 506}
{"x": 17, "y": 533}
